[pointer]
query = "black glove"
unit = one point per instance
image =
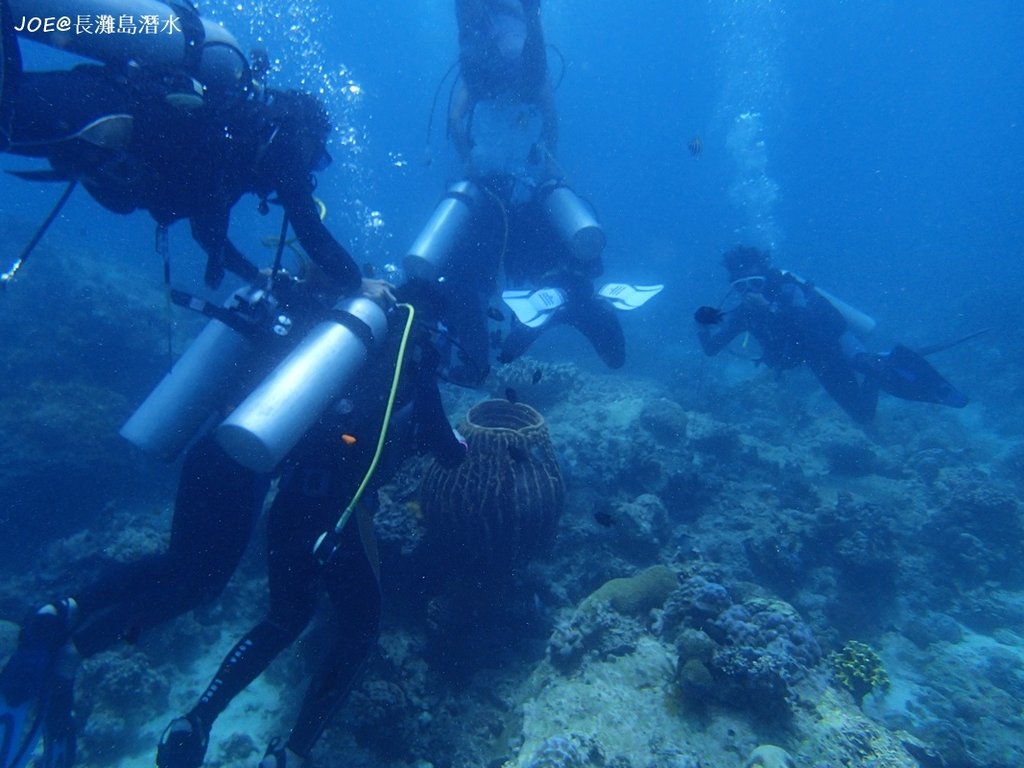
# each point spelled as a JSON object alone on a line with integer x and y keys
{"x": 708, "y": 315}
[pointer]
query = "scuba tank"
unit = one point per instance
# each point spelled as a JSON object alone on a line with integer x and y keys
{"x": 271, "y": 420}
{"x": 197, "y": 387}
{"x": 574, "y": 220}
{"x": 180, "y": 38}
{"x": 861, "y": 323}
{"x": 429, "y": 255}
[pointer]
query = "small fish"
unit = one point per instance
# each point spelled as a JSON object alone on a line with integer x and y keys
{"x": 132, "y": 633}
{"x": 348, "y": 439}
{"x": 495, "y": 314}
{"x": 511, "y": 395}
{"x": 601, "y": 517}
{"x": 696, "y": 146}
{"x": 537, "y": 374}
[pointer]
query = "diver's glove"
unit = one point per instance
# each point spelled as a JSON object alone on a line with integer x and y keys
{"x": 708, "y": 315}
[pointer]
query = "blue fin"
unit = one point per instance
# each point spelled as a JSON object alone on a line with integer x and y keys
{"x": 21, "y": 726}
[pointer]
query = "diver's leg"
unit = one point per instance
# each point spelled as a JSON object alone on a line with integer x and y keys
{"x": 518, "y": 341}
{"x": 354, "y": 590}
{"x": 216, "y": 507}
{"x": 596, "y": 319}
{"x": 214, "y": 512}
{"x": 839, "y": 379}
{"x": 465, "y": 314}
{"x": 293, "y": 584}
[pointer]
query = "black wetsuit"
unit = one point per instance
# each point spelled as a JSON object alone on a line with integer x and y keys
{"x": 140, "y": 138}
{"x": 795, "y": 325}
{"x": 320, "y": 477}
{"x": 216, "y": 507}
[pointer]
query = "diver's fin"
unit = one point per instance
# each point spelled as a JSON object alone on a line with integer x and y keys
{"x": 37, "y": 668}
{"x": 534, "y": 308}
{"x": 43, "y": 174}
{"x": 21, "y": 726}
{"x": 907, "y": 375}
{"x": 933, "y": 348}
{"x": 623, "y": 296}
{"x": 109, "y": 132}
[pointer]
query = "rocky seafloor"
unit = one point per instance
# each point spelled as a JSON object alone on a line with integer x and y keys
{"x": 740, "y": 576}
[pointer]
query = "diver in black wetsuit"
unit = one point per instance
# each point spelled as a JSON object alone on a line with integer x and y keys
{"x": 503, "y": 124}
{"x": 157, "y": 138}
{"x": 321, "y": 474}
{"x": 796, "y": 325}
{"x": 217, "y": 504}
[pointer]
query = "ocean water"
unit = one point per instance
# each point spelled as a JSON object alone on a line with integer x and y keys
{"x": 876, "y": 148}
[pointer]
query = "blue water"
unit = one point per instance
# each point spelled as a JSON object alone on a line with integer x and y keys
{"x": 875, "y": 148}
{"x": 882, "y": 152}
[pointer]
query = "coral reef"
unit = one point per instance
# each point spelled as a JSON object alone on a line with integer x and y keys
{"x": 858, "y": 668}
{"x": 748, "y": 654}
{"x": 636, "y": 595}
{"x": 769, "y": 756}
{"x": 555, "y": 752}
{"x": 704, "y": 557}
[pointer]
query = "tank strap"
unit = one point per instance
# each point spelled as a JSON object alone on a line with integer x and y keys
{"x": 361, "y": 330}
{"x": 194, "y": 33}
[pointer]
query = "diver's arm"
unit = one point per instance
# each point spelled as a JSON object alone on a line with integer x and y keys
{"x": 458, "y": 121}
{"x": 326, "y": 252}
{"x": 435, "y": 432}
{"x": 210, "y": 230}
{"x": 549, "y": 128}
{"x": 714, "y": 338}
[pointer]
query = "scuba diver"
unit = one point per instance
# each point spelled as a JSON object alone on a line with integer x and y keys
{"x": 323, "y": 469}
{"x": 182, "y": 139}
{"x": 796, "y": 323}
{"x": 155, "y": 136}
{"x": 512, "y": 212}
{"x": 342, "y": 456}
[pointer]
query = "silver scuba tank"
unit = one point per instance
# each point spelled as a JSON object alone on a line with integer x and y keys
{"x": 196, "y": 387}
{"x": 432, "y": 249}
{"x": 574, "y": 220}
{"x": 270, "y": 421}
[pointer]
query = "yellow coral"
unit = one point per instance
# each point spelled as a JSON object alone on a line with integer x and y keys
{"x": 858, "y": 668}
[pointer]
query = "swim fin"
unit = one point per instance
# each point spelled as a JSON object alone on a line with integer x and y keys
{"x": 626, "y": 297}
{"x": 534, "y": 308}
{"x": 48, "y": 716}
{"x": 21, "y": 726}
{"x": 907, "y": 375}
{"x": 42, "y": 663}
